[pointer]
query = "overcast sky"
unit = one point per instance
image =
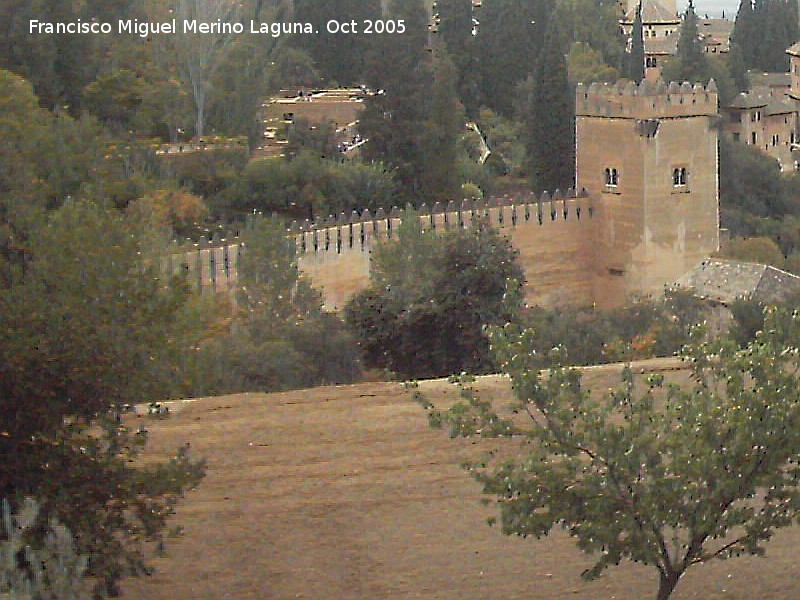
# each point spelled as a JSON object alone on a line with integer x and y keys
{"x": 714, "y": 8}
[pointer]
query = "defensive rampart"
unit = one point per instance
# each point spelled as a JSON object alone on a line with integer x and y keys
{"x": 553, "y": 235}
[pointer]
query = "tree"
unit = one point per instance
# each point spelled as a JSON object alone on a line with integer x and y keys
{"x": 339, "y": 57}
{"x": 655, "y": 473}
{"x": 399, "y": 69}
{"x": 585, "y": 65}
{"x": 441, "y": 132}
{"x": 509, "y": 41}
{"x": 430, "y": 296}
{"x": 85, "y": 328}
{"x": 279, "y": 337}
{"x": 455, "y": 27}
{"x": 202, "y": 53}
{"x": 547, "y": 110}
{"x": 44, "y": 160}
{"x": 689, "y": 62}
{"x": 636, "y": 56}
{"x": 762, "y": 32}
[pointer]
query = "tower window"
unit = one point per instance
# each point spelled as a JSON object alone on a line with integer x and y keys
{"x": 753, "y": 137}
{"x": 611, "y": 177}
{"x": 679, "y": 177}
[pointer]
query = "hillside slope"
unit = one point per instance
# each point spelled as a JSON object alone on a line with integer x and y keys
{"x": 344, "y": 493}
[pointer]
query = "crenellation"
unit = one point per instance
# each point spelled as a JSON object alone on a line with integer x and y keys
{"x": 646, "y": 100}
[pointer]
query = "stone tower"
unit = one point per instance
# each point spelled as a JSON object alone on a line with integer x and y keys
{"x": 648, "y": 156}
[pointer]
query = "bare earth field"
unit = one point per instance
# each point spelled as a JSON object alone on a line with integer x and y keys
{"x": 344, "y": 492}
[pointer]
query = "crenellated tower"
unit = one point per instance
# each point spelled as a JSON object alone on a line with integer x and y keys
{"x": 648, "y": 155}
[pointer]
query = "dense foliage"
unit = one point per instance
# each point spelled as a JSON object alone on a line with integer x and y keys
{"x": 278, "y": 337}
{"x": 85, "y": 328}
{"x": 431, "y": 295}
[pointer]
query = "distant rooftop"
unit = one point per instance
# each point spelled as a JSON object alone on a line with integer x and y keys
{"x": 653, "y": 12}
{"x": 758, "y": 97}
{"x": 773, "y": 80}
{"x": 726, "y": 281}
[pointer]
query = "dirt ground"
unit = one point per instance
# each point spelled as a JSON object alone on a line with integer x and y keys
{"x": 345, "y": 493}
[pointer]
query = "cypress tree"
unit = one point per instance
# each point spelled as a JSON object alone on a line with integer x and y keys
{"x": 636, "y": 56}
{"x": 689, "y": 63}
{"x": 339, "y": 57}
{"x": 440, "y": 134}
{"x": 550, "y": 120}
{"x": 508, "y": 44}
{"x": 455, "y": 30}
{"x": 398, "y": 68}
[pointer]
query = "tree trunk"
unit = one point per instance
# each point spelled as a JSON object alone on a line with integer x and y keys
{"x": 666, "y": 585}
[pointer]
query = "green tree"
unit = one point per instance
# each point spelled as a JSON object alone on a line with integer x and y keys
{"x": 280, "y": 337}
{"x": 655, "y": 473}
{"x": 636, "y": 56}
{"x": 585, "y": 65}
{"x": 689, "y": 63}
{"x": 762, "y": 32}
{"x": 547, "y": 110}
{"x": 44, "y": 160}
{"x": 339, "y": 57}
{"x": 87, "y": 327}
{"x": 509, "y": 41}
{"x": 430, "y": 296}
{"x": 441, "y": 132}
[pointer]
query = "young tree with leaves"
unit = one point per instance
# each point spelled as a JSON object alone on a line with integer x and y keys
{"x": 664, "y": 475}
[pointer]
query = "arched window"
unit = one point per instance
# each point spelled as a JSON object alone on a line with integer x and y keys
{"x": 679, "y": 177}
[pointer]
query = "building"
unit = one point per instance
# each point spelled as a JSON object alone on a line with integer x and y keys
{"x": 646, "y": 213}
{"x": 661, "y": 25}
{"x": 726, "y": 281}
{"x": 766, "y": 115}
{"x": 315, "y": 108}
{"x": 647, "y": 162}
{"x": 766, "y": 119}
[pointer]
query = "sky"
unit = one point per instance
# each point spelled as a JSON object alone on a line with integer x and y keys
{"x": 713, "y": 8}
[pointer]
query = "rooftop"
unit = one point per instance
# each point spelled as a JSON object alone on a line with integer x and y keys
{"x": 653, "y": 12}
{"x": 726, "y": 281}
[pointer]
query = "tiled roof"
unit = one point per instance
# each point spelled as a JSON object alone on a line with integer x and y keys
{"x": 653, "y": 12}
{"x": 759, "y": 79}
{"x": 662, "y": 45}
{"x": 755, "y": 98}
{"x": 726, "y": 281}
{"x": 779, "y": 105}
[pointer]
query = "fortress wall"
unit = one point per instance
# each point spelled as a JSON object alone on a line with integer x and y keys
{"x": 555, "y": 239}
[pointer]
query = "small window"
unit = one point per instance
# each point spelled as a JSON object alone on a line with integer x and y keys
{"x": 679, "y": 176}
{"x": 735, "y": 137}
{"x": 753, "y": 137}
{"x": 611, "y": 177}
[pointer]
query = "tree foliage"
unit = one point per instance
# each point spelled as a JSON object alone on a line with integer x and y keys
{"x": 762, "y": 32}
{"x": 635, "y": 59}
{"x": 430, "y": 296}
{"x": 665, "y": 475}
{"x": 279, "y": 336}
{"x": 85, "y": 328}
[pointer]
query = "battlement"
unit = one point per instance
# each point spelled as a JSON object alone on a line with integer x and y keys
{"x": 358, "y": 232}
{"x": 627, "y": 100}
